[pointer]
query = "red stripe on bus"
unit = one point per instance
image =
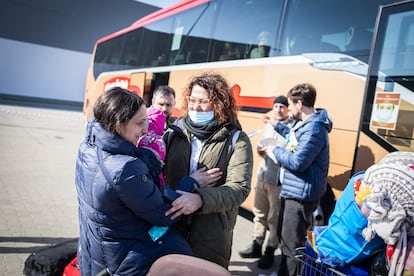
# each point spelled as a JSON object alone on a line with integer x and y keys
{"x": 249, "y": 101}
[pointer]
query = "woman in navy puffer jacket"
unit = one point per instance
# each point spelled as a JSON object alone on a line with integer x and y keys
{"x": 118, "y": 193}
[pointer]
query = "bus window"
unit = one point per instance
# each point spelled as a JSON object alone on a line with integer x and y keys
{"x": 191, "y": 35}
{"x": 100, "y": 61}
{"x": 250, "y": 19}
{"x": 325, "y": 26}
{"x": 132, "y": 48}
{"x": 157, "y": 39}
{"x": 108, "y": 55}
{"x": 118, "y": 53}
{"x": 391, "y": 90}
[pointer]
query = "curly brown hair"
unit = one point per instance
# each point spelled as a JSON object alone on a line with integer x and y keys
{"x": 220, "y": 94}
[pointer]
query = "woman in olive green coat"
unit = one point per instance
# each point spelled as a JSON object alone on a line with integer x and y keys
{"x": 207, "y": 142}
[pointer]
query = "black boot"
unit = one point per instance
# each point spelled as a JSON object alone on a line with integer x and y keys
{"x": 268, "y": 258}
{"x": 253, "y": 251}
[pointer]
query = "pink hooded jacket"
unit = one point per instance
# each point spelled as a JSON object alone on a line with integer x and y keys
{"x": 153, "y": 139}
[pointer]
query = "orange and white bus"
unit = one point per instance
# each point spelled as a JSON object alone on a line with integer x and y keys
{"x": 265, "y": 47}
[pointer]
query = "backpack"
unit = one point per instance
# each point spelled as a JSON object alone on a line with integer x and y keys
{"x": 51, "y": 261}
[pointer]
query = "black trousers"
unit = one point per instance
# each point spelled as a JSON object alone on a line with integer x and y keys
{"x": 294, "y": 220}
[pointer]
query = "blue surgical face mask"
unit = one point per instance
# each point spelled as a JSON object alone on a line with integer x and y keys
{"x": 201, "y": 118}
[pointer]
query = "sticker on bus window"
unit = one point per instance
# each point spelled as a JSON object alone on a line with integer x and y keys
{"x": 177, "y": 38}
{"x": 385, "y": 110}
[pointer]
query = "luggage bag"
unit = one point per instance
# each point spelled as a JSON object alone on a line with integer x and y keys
{"x": 52, "y": 260}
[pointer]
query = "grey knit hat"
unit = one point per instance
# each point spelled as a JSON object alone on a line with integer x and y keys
{"x": 391, "y": 182}
{"x": 392, "y": 204}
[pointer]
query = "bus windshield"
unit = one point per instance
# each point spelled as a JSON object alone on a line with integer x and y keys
{"x": 391, "y": 91}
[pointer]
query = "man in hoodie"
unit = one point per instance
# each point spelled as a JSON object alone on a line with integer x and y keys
{"x": 304, "y": 171}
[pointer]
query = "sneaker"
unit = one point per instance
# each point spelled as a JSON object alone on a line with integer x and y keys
{"x": 253, "y": 251}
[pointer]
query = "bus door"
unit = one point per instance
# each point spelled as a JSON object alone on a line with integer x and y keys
{"x": 387, "y": 123}
{"x": 149, "y": 81}
{"x": 137, "y": 83}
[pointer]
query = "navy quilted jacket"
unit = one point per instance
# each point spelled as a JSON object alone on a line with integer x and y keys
{"x": 306, "y": 167}
{"x": 115, "y": 217}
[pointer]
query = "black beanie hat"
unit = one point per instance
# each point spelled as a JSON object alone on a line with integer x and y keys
{"x": 281, "y": 100}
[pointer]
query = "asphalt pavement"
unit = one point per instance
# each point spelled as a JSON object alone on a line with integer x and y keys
{"x": 38, "y": 205}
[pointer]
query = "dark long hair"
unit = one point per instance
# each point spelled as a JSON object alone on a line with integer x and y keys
{"x": 116, "y": 106}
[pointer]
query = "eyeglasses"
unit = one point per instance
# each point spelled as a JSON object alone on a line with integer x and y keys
{"x": 202, "y": 102}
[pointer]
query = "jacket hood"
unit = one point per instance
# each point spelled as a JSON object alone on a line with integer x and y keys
{"x": 156, "y": 119}
{"x": 115, "y": 144}
{"x": 103, "y": 139}
{"x": 322, "y": 117}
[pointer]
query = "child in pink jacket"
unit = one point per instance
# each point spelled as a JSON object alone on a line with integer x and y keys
{"x": 153, "y": 139}
{"x": 154, "y": 142}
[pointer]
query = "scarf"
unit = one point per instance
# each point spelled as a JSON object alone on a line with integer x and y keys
{"x": 202, "y": 132}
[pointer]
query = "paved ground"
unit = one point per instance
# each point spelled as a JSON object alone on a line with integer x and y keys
{"x": 38, "y": 200}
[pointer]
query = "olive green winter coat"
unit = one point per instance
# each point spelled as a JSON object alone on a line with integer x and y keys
{"x": 211, "y": 232}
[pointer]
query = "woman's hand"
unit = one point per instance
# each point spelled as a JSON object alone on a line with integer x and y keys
{"x": 186, "y": 204}
{"x": 207, "y": 178}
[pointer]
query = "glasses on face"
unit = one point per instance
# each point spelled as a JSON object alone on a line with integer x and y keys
{"x": 202, "y": 102}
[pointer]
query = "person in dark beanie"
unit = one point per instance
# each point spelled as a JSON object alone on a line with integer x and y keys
{"x": 267, "y": 191}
